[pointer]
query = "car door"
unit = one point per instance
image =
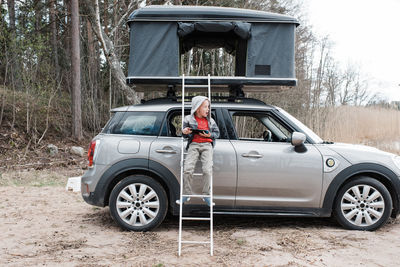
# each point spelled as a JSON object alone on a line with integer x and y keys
{"x": 270, "y": 172}
{"x": 166, "y": 150}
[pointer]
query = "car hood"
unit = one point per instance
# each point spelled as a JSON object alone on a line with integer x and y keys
{"x": 363, "y": 154}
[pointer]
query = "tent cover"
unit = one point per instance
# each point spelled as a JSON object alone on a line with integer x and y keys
{"x": 262, "y": 43}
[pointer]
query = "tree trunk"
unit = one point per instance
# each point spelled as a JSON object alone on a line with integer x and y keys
{"x": 93, "y": 13}
{"x": 76, "y": 72}
{"x": 67, "y": 45}
{"x": 14, "y": 71}
{"x": 93, "y": 74}
{"x": 105, "y": 20}
{"x": 11, "y": 14}
{"x": 53, "y": 26}
{"x": 38, "y": 15}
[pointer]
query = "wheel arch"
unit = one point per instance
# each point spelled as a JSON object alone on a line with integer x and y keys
{"x": 381, "y": 173}
{"x": 122, "y": 169}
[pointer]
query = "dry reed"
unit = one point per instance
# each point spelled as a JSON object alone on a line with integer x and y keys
{"x": 373, "y": 126}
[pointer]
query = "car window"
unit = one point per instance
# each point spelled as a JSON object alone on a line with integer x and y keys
{"x": 138, "y": 123}
{"x": 114, "y": 119}
{"x": 173, "y": 125}
{"x": 248, "y": 127}
{"x": 258, "y": 126}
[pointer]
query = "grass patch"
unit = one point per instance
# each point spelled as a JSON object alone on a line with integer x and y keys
{"x": 33, "y": 178}
{"x": 240, "y": 242}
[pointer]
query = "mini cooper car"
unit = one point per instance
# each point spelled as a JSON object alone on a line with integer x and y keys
{"x": 266, "y": 162}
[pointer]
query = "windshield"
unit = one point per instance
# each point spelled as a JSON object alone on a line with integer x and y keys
{"x": 304, "y": 128}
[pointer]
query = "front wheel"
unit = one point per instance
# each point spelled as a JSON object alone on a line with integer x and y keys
{"x": 138, "y": 203}
{"x": 363, "y": 204}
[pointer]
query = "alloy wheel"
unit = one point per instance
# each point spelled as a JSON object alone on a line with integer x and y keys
{"x": 137, "y": 204}
{"x": 362, "y": 205}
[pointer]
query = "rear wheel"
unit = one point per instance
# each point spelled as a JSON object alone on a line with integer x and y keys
{"x": 363, "y": 204}
{"x": 138, "y": 203}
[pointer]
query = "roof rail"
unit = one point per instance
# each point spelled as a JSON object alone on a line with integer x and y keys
{"x": 218, "y": 99}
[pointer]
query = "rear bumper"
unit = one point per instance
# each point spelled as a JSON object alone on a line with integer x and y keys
{"x": 92, "y": 199}
{"x": 89, "y": 183}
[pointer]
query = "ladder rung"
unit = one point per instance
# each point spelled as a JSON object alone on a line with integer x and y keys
{"x": 196, "y": 218}
{"x": 195, "y": 242}
{"x": 196, "y": 86}
{"x": 206, "y": 85}
{"x": 196, "y": 195}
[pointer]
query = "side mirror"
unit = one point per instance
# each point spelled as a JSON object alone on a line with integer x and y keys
{"x": 298, "y": 139}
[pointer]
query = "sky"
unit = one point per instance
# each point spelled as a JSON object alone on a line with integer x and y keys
{"x": 365, "y": 33}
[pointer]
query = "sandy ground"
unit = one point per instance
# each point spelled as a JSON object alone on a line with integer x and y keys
{"x": 42, "y": 224}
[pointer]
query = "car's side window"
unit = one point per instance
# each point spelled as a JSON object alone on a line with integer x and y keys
{"x": 248, "y": 126}
{"x": 259, "y": 126}
{"x": 138, "y": 123}
{"x": 173, "y": 124}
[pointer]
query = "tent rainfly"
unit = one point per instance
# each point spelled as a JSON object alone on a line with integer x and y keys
{"x": 262, "y": 43}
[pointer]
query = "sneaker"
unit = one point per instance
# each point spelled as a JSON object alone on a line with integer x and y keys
{"x": 184, "y": 199}
{"x": 208, "y": 201}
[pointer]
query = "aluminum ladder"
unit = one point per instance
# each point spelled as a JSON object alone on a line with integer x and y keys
{"x": 181, "y": 218}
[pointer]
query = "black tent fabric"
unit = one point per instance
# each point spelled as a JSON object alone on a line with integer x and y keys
{"x": 262, "y": 42}
{"x": 270, "y": 51}
{"x": 241, "y": 29}
{"x": 154, "y": 49}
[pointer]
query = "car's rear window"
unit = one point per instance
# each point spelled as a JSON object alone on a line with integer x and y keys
{"x": 135, "y": 123}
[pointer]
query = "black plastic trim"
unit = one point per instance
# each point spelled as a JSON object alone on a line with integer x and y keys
{"x": 254, "y": 211}
{"x": 103, "y": 189}
{"x": 214, "y": 81}
{"x": 360, "y": 169}
{"x": 170, "y": 181}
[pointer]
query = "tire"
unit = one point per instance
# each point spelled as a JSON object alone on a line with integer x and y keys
{"x": 363, "y": 204}
{"x": 138, "y": 203}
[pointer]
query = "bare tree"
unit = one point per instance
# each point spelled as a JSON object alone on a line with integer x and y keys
{"x": 360, "y": 92}
{"x": 53, "y": 26}
{"x": 332, "y": 82}
{"x": 354, "y": 89}
{"x": 76, "y": 72}
{"x": 93, "y": 12}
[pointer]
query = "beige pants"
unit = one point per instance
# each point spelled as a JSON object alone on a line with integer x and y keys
{"x": 196, "y": 151}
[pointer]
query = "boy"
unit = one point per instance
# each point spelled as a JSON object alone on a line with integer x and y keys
{"x": 201, "y": 131}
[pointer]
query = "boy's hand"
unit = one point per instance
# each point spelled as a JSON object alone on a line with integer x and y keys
{"x": 208, "y": 135}
{"x": 187, "y": 130}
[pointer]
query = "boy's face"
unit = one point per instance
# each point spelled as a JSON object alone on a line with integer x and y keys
{"x": 203, "y": 110}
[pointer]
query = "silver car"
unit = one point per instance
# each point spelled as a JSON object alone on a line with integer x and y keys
{"x": 266, "y": 162}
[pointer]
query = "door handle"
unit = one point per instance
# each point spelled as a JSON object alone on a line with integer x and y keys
{"x": 166, "y": 151}
{"x": 248, "y": 155}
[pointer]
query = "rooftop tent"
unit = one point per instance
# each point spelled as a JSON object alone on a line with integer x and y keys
{"x": 262, "y": 42}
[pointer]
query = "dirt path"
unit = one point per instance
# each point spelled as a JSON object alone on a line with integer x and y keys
{"x": 47, "y": 225}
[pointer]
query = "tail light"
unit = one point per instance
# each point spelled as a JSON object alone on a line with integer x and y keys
{"x": 92, "y": 147}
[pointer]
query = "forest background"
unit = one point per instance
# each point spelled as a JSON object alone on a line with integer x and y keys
{"x": 63, "y": 65}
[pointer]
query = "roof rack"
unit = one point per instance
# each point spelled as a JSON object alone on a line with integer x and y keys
{"x": 218, "y": 99}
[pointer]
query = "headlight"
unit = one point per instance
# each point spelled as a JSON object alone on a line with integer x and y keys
{"x": 396, "y": 160}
